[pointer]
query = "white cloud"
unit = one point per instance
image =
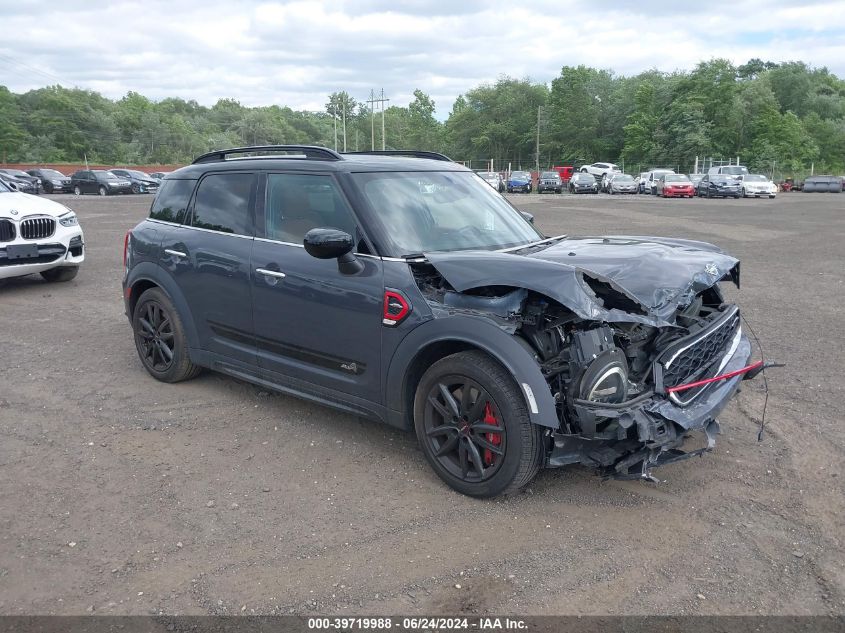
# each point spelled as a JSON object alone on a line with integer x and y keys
{"x": 296, "y": 53}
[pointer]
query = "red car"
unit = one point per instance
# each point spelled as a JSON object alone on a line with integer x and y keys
{"x": 675, "y": 186}
{"x": 565, "y": 173}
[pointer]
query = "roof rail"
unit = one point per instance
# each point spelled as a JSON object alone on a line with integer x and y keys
{"x": 308, "y": 151}
{"x": 413, "y": 153}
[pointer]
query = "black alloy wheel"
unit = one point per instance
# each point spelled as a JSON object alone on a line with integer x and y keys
{"x": 160, "y": 338}
{"x": 473, "y": 425}
{"x": 156, "y": 337}
{"x": 462, "y": 428}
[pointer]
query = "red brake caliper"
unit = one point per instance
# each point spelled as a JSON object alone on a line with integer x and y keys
{"x": 494, "y": 438}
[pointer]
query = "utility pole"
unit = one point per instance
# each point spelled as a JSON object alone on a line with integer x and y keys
{"x": 334, "y": 119}
{"x": 382, "y": 118}
{"x": 372, "y": 101}
{"x": 537, "y": 147}
{"x": 344, "y": 121}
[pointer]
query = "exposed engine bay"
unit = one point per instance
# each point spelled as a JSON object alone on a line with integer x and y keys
{"x": 612, "y": 376}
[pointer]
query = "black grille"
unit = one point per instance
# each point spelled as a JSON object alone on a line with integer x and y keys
{"x": 698, "y": 355}
{"x": 37, "y": 228}
{"x": 7, "y": 231}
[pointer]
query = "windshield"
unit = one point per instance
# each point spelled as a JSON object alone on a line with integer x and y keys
{"x": 624, "y": 178}
{"x": 52, "y": 173}
{"x": 550, "y": 174}
{"x": 520, "y": 175}
{"x": 138, "y": 174}
{"x": 583, "y": 177}
{"x": 676, "y": 178}
{"x": 735, "y": 170}
{"x": 755, "y": 178}
{"x": 105, "y": 175}
{"x": 420, "y": 212}
{"x": 17, "y": 172}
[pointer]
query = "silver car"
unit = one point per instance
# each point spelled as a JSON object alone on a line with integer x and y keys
{"x": 622, "y": 183}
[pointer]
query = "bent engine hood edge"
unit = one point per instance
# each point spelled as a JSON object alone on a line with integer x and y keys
{"x": 657, "y": 274}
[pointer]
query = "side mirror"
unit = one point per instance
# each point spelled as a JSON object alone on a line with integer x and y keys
{"x": 527, "y": 216}
{"x": 329, "y": 243}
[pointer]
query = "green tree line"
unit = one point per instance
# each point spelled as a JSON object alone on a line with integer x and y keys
{"x": 781, "y": 118}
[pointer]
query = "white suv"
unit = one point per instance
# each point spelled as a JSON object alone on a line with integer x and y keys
{"x": 599, "y": 170}
{"x": 38, "y": 236}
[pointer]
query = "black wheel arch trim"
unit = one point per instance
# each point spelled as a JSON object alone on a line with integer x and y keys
{"x": 485, "y": 336}
{"x": 152, "y": 273}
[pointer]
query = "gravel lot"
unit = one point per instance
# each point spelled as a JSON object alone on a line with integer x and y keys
{"x": 122, "y": 495}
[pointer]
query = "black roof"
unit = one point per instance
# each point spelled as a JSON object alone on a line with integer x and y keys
{"x": 312, "y": 158}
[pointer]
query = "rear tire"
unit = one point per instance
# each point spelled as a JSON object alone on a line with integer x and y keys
{"x": 160, "y": 338}
{"x": 460, "y": 402}
{"x": 64, "y": 273}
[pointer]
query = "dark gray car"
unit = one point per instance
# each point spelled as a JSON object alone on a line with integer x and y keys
{"x": 407, "y": 290}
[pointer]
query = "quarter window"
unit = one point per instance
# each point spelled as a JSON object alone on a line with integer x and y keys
{"x": 172, "y": 201}
{"x": 297, "y": 203}
{"x": 222, "y": 203}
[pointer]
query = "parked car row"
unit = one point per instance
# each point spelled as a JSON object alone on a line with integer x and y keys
{"x": 98, "y": 181}
{"x": 719, "y": 182}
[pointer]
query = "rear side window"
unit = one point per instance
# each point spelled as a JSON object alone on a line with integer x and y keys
{"x": 171, "y": 203}
{"x": 223, "y": 202}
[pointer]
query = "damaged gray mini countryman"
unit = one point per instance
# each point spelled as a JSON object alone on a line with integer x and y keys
{"x": 399, "y": 286}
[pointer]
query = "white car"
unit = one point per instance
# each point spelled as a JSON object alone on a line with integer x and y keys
{"x": 756, "y": 185}
{"x": 652, "y": 177}
{"x": 38, "y": 236}
{"x": 600, "y": 169}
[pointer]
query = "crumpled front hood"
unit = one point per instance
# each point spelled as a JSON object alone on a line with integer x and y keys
{"x": 657, "y": 274}
{"x": 26, "y": 204}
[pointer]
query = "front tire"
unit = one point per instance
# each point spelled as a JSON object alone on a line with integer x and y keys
{"x": 102, "y": 191}
{"x": 160, "y": 338}
{"x": 77, "y": 191}
{"x": 65, "y": 273}
{"x": 473, "y": 426}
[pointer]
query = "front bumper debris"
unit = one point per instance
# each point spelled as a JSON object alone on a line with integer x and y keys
{"x": 661, "y": 428}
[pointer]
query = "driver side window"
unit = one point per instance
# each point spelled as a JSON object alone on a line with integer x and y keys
{"x": 297, "y": 203}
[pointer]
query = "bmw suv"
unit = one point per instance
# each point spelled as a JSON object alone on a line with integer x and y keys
{"x": 38, "y": 236}
{"x": 401, "y": 287}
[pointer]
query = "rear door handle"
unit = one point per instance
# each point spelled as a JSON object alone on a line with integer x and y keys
{"x": 270, "y": 273}
{"x": 169, "y": 251}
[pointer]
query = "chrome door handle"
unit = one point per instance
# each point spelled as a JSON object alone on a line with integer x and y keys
{"x": 270, "y": 273}
{"x": 169, "y": 251}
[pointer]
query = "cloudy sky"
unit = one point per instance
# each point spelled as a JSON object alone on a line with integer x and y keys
{"x": 296, "y": 53}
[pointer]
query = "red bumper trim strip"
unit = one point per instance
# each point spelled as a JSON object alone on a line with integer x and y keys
{"x": 699, "y": 383}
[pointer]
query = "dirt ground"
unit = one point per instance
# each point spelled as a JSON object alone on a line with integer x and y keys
{"x": 122, "y": 495}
